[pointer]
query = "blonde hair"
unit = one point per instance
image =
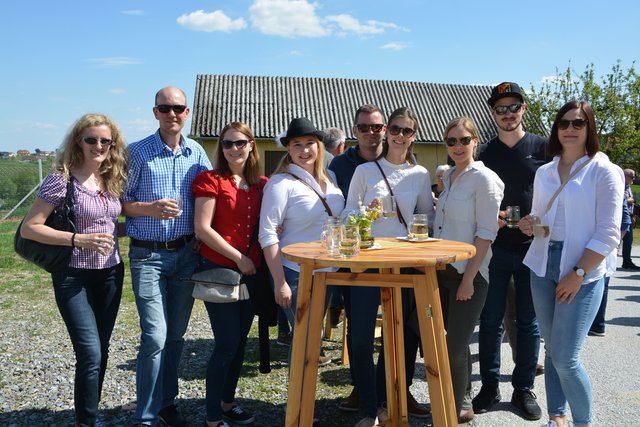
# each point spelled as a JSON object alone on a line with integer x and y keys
{"x": 113, "y": 169}
{"x": 319, "y": 172}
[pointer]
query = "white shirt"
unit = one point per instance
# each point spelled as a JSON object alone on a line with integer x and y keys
{"x": 592, "y": 214}
{"x": 410, "y": 184}
{"x": 469, "y": 208}
{"x": 291, "y": 204}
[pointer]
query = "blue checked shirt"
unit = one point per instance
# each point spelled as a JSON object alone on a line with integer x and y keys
{"x": 156, "y": 173}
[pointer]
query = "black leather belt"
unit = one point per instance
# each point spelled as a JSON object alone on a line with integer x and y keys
{"x": 167, "y": 245}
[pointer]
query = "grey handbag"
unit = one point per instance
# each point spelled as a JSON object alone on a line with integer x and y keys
{"x": 221, "y": 285}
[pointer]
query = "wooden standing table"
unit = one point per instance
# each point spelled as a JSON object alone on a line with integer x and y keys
{"x": 393, "y": 255}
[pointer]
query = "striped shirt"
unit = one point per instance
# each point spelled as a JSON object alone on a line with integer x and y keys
{"x": 156, "y": 173}
{"x": 95, "y": 212}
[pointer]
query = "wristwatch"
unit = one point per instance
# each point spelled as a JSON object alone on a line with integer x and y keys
{"x": 579, "y": 271}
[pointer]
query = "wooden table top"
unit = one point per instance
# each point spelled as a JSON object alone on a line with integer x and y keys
{"x": 387, "y": 253}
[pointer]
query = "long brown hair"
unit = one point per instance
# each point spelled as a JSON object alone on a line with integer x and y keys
{"x": 113, "y": 169}
{"x": 252, "y": 166}
{"x": 403, "y": 112}
{"x": 593, "y": 141}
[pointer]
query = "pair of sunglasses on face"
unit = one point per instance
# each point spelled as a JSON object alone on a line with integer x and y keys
{"x": 240, "y": 143}
{"x": 451, "y": 141}
{"x": 393, "y": 129}
{"x": 105, "y": 142}
{"x": 501, "y": 110}
{"x": 165, "y": 108}
{"x": 576, "y": 123}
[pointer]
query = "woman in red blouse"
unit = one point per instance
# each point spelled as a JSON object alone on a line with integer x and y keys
{"x": 227, "y": 209}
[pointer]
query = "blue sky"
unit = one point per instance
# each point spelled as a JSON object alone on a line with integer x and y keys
{"x": 61, "y": 59}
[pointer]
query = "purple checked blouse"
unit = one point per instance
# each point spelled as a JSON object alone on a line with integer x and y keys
{"x": 94, "y": 212}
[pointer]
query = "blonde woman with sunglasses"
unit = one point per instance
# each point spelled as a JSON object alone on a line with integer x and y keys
{"x": 467, "y": 211}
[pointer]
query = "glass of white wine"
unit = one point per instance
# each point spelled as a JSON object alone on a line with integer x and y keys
{"x": 388, "y": 206}
{"x": 419, "y": 227}
{"x": 349, "y": 240}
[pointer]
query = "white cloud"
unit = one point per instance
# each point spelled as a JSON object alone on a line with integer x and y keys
{"x": 557, "y": 79}
{"x": 347, "y": 24}
{"x": 287, "y": 18}
{"x": 117, "y": 91}
{"x": 47, "y": 126}
{"x": 210, "y": 22}
{"x": 394, "y": 46}
{"x": 114, "y": 62}
{"x": 133, "y": 12}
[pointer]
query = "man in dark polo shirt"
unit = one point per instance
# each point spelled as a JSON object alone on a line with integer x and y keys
{"x": 514, "y": 155}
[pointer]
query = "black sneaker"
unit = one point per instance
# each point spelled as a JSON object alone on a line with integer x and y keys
{"x": 485, "y": 399}
{"x": 237, "y": 415}
{"x": 630, "y": 266}
{"x": 525, "y": 400}
{"x": 170, "y": 417}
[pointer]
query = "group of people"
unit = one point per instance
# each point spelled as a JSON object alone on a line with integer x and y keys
{"x": 184, "y": 214}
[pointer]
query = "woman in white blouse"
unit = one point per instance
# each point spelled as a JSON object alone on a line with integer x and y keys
{"x": 467, "y": 211}
{"x": 290, "y": 204}
{"x": 411, "y": 187}
{"x": 567, "y": 257}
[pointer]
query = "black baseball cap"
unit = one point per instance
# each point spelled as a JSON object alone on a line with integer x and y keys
{"x": 504, "y": 90}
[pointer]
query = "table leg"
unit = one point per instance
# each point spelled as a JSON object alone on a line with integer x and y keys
{"x": 299, "y": 345}
{"x": 390, "y": 362}
{"x": 435, "y": 349}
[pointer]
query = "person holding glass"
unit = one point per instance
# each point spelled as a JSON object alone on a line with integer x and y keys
{"x": 396, "y": 172}
{"x": 227, "y": 200}
{"x": 575, "y": 224}
{"x": 467, "y": 211}
{"x": 88, "y": 291}
{"x": 293, "y": 207}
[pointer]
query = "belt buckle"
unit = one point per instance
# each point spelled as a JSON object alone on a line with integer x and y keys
{"x": 166, "y": 244}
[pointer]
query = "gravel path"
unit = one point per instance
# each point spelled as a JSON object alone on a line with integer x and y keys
{"x": 36, "y": 370}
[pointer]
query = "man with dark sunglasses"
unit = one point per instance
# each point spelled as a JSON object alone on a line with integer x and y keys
{"x": 163, "y": 167}
{"x": 514, "y": 155}
{"x": 369, "y": 128}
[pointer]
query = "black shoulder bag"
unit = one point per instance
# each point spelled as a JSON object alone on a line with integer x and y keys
{"x": 52, "y": 258}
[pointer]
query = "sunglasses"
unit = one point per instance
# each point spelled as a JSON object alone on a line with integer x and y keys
{"x": 376, "y": 128}
{"x": 577, "y": 124}
{"x": 165, "y": 108}
{"x": 451, "y": 141}
{"x": 502, "y": 109}
{"x": 105, "y": 142}
{"x": 240, "y": 143}
{"x": 395, "y": 130}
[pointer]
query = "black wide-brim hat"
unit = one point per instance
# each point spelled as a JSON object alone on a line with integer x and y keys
{"x": 504, "y": 90}
{"x": 301, "y": 127}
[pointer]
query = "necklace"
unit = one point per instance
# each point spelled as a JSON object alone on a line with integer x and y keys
{"x": 240, "y": 183}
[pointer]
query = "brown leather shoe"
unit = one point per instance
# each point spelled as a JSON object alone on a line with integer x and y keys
{"x": 466, "y": 416}
{"x": 351, "y": 403}
{"x": 416, "y": 409}
{"x": 539, "y": 369}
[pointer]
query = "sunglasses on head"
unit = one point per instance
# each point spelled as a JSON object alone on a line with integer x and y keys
{"x": 93, "y": 141}
{"x": 376, "y": 128}
{"x": 451, "y": 141}
{"x": 577, "y": 123}
{"x": 502, "y": 109}
{"x": 165, "y": 108}
{"x": 395, "y": 130}
{"x": 240, "y": 143}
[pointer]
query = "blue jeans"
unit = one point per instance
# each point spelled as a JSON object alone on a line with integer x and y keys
{"x": 503, "y": 265}
{"x": 230, "y": 324}
{"x": 564, "y": 329}
{"x": 164, "y": 305}
{"x": 88, "y": 301}
{"x": 598, "y": 322}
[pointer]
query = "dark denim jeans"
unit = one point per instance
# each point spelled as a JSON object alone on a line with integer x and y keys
{"x": 598, "y": 322}
{"x": 88, "y": 301}
{"x": 505, "y": 264}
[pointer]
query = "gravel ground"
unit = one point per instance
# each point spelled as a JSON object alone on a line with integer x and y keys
{"x": 36, "y": 370}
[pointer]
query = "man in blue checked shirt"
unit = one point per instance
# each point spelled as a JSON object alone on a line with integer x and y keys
{"x": 159, "y": 206}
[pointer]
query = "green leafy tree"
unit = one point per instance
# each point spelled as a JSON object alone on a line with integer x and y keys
{"x": 615, "y": 98}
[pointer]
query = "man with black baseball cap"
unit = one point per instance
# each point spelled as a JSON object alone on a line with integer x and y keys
{"x": 514, "y": 155}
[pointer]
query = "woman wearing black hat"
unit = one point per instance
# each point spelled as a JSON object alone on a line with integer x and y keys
{"x": 292, "y": 203}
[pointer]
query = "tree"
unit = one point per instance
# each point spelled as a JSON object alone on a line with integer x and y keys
{"x": 615, "y": 99}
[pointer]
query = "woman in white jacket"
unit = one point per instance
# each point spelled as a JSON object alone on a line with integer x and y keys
{"x": 580, "y": 227}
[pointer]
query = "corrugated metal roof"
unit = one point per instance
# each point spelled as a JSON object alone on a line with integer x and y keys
{"x": 267, "y": 104}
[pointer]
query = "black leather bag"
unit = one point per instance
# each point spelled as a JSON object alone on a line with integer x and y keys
{"x": 52, "y": 258}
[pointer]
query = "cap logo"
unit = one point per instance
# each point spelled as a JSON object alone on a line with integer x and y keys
{"x": 504, "y": 88}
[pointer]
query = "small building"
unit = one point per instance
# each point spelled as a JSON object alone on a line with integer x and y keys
{"x": 267, "y": 105}
{"x": 23, "y": 152}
